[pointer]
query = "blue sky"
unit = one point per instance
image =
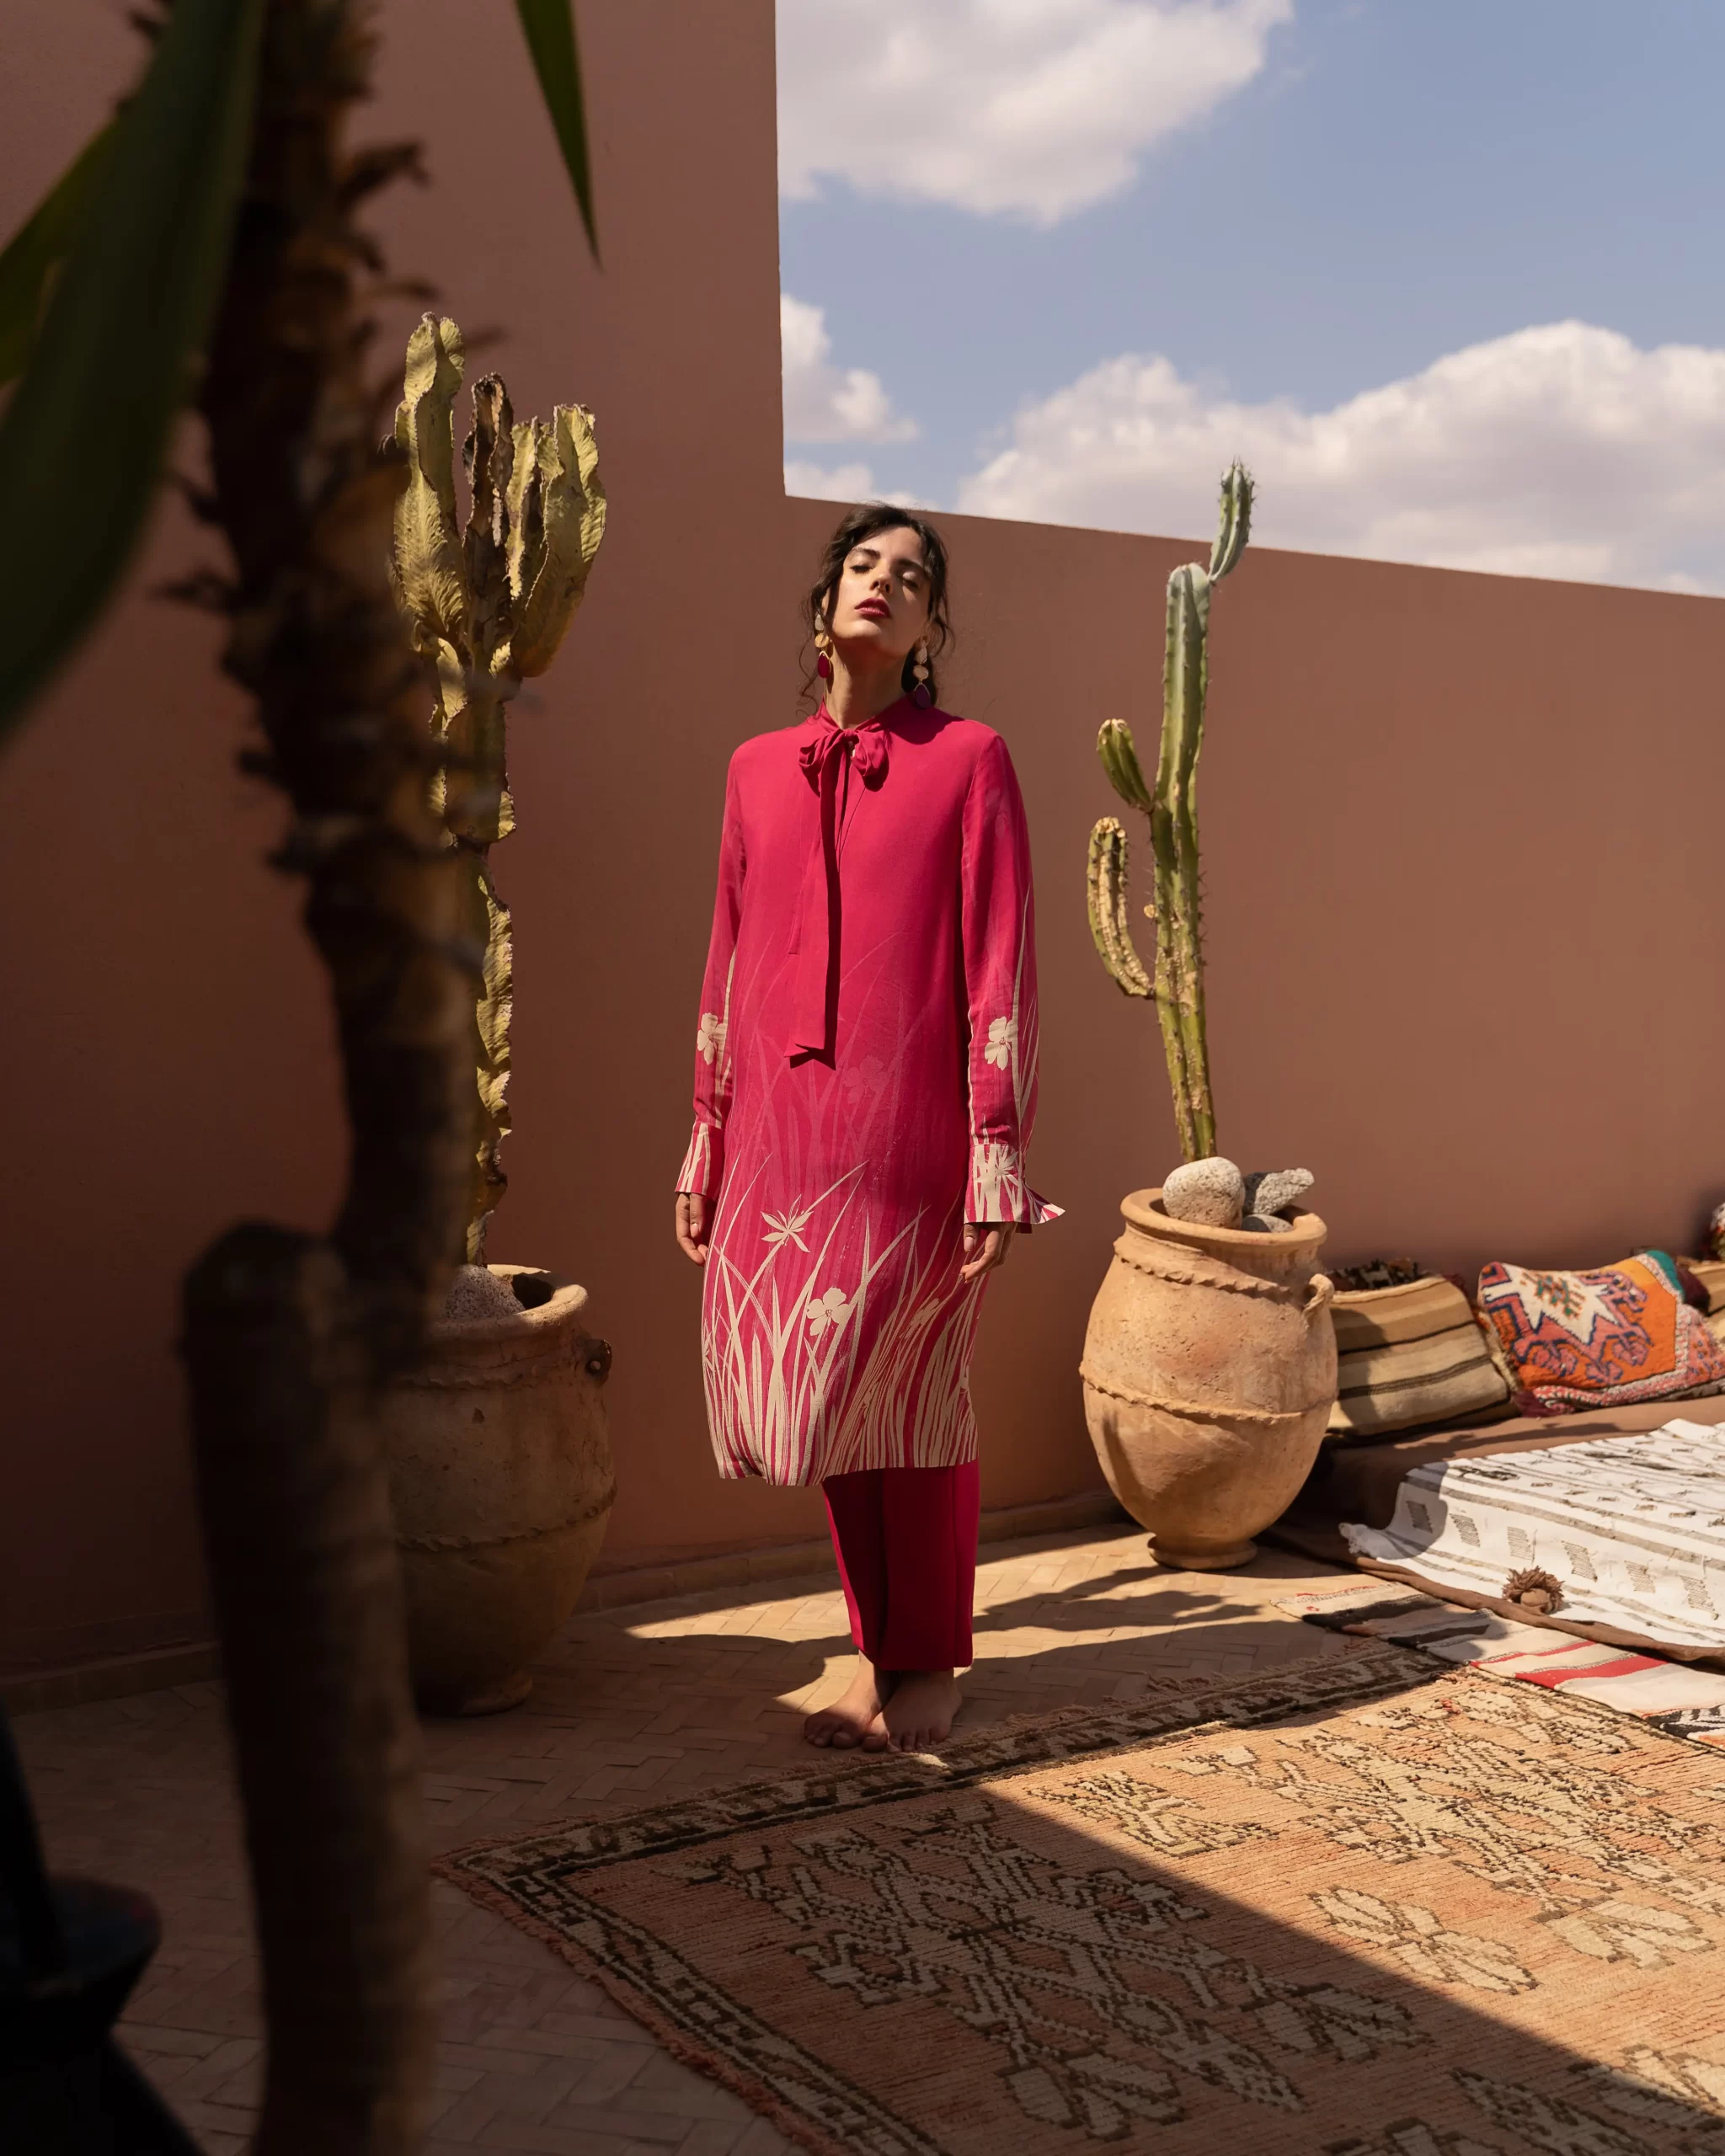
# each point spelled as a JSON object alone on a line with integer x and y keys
{"x": 1009, "y": 212}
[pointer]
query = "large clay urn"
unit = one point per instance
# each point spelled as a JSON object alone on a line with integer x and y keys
{"x": 500, "y": 1475}
{"x": 1209, "y": 1369}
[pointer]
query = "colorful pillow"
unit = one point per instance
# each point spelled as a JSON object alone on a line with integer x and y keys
{"x": 1600, "y": 1339}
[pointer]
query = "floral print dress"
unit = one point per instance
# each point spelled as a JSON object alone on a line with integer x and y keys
{"x": 865, "y": 1080}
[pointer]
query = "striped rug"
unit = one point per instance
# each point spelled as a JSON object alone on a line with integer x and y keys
{"x": 1679, "y": 1701}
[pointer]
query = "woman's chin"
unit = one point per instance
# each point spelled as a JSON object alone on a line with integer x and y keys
{"x": 869, "y": 643}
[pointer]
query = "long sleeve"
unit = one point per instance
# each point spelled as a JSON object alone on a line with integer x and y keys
{"x": 704, "y": 1164}
{"x": 999, "y": 931}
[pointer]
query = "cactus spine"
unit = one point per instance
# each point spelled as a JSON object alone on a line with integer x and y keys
{"x": 1176, "y": 983}
{"x": 487, "y": 606}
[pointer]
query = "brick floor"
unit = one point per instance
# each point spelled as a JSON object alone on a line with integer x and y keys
{"x": 631, "y": 1706}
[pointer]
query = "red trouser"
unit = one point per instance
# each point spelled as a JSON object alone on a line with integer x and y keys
{"x": 905, "y": 1539}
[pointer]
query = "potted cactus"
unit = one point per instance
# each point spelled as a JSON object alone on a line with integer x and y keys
{"x": 1210, "y": 1363}
{"x": 500, "y": 1470}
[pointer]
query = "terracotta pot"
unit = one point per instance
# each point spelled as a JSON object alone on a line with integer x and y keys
{"x": 500, "y": 1474}
{"x": 1209, "y": 1367}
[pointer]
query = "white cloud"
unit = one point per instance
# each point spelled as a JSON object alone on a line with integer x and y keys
{"x": 824, "y": 402}
{"x": 1041, "y": 107}
{"x": 844, "y": 482}
{"x": 1558, "y": 451}
{"x": 838, "y": 482}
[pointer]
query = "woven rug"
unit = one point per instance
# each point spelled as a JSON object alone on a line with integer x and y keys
{"x": 1359, "y": 1907}
{"x": 1631, "y": 1527}
{"x": 1681, "y": 1701}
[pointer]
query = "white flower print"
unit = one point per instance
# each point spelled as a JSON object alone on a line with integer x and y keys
{"x": 823, "y": 1310}
{"x": 786, "y": 1227}
{"x": 1002, "y": 1042}
{"x": 709, "y": 1040}
{"x": 865, "y": 1077}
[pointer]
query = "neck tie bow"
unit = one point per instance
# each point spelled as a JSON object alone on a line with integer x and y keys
{"x": 822, "y": 753}
{"x": 814, "y": 989}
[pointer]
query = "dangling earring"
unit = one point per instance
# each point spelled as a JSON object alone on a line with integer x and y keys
{"x": 823, "y": 654}
{"x": 922, "y": 695}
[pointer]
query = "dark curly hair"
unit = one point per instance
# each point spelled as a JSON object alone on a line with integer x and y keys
{"x": 852, "y": 530}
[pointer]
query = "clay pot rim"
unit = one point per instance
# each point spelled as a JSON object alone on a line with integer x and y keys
{"x": 567, "y": 1299}
{"x": 1143, "y": 1210}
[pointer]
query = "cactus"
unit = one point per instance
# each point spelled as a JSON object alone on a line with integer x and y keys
{"x": 487, "y": 606}
{"x": 1176, "y": 983}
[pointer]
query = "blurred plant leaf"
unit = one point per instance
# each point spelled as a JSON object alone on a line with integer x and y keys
{"x": 550, "y": 29}
{"x": 37, "y": 249}
{"x": 84, "y": 436}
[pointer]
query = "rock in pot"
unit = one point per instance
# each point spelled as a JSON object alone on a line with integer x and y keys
{"x": 500, "y": 1477}
{"x": 1209, "y": 1369}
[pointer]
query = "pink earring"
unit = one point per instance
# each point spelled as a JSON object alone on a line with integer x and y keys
{"x": 823, "y": 654}
{"x": 922, "y": 695}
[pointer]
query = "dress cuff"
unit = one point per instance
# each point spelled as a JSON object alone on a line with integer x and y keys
{"x": 997, "y": 1190}
{"x": 704, "y": 1164}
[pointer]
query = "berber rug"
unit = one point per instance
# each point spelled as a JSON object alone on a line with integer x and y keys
{"x": 1362, "y": 1906}
{"x": 1630, "y": 1529}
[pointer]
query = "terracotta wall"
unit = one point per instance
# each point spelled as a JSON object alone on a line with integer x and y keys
{"x": 1460, "y": 832}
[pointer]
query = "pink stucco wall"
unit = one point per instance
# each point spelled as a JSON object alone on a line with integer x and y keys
{"x": 1460, "y": 832}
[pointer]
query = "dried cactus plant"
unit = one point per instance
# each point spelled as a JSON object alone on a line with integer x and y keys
{"x": 487, "y": 606}
{"x": 1176, "y": 983}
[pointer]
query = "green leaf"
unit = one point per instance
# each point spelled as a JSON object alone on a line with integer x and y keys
{"x": 83, "y": 438}
{"x": 550, "y": 29}
{"x": 37, "y": 249}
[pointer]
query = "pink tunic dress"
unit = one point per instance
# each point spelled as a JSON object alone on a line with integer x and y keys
{"x": 865, "y": 1079}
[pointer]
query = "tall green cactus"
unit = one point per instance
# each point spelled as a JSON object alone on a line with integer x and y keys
{"x": 1177, "y": 983}
{"x": 488, "y": 604}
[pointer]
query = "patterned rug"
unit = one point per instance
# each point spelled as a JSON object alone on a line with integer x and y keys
{"x": 1359, "y": 1907}
{"x": 1681, "y": 1701}
{"x": 1631, "y": 1528}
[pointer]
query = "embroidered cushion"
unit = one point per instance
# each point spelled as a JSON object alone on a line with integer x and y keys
{"x": 1600, "y": 1339}
{"x": 1407, "y": 1355}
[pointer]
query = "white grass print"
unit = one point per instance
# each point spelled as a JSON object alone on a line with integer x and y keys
{"x": 769, "y": 1372}
{"x": 785, "y": 1390}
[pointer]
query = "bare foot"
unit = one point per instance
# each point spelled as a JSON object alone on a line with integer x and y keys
{"x": 919, "y": 1710}
{"x": 853, "y": 1720}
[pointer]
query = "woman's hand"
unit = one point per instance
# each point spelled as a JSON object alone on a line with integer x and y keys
{"x": 692, "y": 1225}
{"x": 985, "y": 1246}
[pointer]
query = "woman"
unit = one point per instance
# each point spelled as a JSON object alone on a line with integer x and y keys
{"x": 865, "y": 1078}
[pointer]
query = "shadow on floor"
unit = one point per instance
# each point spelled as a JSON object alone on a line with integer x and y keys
{"x": 631, "y": 1705}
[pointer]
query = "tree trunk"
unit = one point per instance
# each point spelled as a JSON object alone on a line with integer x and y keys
{"x": 296, "y": 1526}
{"x": 287, "y": 1336}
